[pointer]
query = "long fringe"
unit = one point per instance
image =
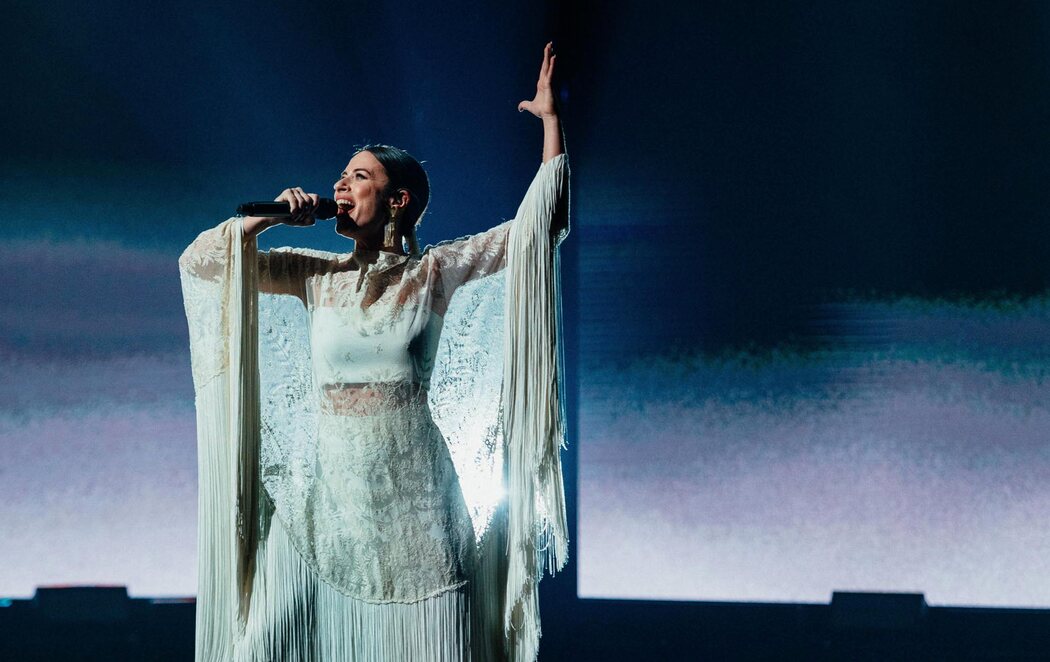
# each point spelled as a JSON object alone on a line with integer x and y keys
{"x": 281, "y": 624}
{"x": 488, "y": 592}
{"x": 227, "y": 443}
{"x": 297, "y": 617}
{"x": 537, "y": 527}
{"x": 216, "y": 588}
{"x": 242, "y": 308}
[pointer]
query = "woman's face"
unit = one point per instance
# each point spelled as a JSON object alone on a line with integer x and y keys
{"x": 359, "y": 193}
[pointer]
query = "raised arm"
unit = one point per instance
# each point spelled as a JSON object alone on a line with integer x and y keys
{"x": 544, "y": 207}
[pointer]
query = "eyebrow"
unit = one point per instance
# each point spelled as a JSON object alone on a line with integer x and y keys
{"x": 356, "y": 169}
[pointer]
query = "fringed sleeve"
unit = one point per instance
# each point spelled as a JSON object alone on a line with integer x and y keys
{"x": 537, "y": 531}
{"x": 219, "y": 273}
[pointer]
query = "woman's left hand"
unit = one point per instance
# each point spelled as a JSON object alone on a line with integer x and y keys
{"x": 542, "y": 105}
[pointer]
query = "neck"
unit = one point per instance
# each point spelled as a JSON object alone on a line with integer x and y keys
{"x": 376, "y": 244}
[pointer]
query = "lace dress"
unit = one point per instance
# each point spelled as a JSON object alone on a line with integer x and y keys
{"x": 334, "y": 519}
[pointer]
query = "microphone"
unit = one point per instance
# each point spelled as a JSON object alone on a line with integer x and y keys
{"x": 326, "y": 208}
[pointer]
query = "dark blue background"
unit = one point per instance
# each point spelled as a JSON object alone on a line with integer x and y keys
{"x": 734, "y": 163}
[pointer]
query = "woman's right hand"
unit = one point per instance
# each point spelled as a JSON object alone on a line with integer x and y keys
{"x": 302, "y": 205}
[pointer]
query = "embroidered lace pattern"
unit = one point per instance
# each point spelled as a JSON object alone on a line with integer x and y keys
{"x": 360, "y": 474}
{"x": 203, "y": 274}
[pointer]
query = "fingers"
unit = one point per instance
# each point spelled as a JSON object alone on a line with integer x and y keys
{"x": 301, "y": 205}
{"x": 312, "y": 201}
{"x": 547, "y": 67}
{"x": 303, "y": 213}
{"x": 303, "y": 202}
{"x": 547, "y": 71}
{"x": 543, "y": 104}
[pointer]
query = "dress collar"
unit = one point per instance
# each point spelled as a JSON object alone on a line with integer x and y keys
{"x": 374, "y": 262}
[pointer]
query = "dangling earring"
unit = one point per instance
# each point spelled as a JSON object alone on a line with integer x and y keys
{"x": 390, "y": 237}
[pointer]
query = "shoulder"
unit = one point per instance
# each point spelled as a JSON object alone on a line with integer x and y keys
{"x": 305, "y": 253}
{"x": 303, "y": 261}
{"x": 466, "y": 242}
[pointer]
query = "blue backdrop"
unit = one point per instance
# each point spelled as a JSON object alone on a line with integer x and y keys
{"x": 807, "y": 302}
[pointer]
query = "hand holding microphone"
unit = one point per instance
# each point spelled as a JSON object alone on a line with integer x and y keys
{"x": 293, "y": 206}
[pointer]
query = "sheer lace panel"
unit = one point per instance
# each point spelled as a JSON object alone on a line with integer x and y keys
{"x": 466, "y": 259}
{"x": 371, "y": 398}
{"x": 358, "y": 470}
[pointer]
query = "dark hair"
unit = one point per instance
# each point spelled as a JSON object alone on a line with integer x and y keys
{"x": 404, "y": 172}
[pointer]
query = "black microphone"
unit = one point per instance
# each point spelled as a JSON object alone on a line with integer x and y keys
{"x": 326, "y": 208}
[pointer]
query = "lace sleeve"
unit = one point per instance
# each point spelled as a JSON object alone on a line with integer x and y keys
{"x": 281, "y": 270}
{"x": 284, "y": 271}
{"x": 204, "y": 269}
{"x": 470, "y": 258}
{"x": 207, "y": 257}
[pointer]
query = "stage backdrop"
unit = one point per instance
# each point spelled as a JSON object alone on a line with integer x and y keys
{"x": 815, "y": 326}
{"x": 808, "y": 303}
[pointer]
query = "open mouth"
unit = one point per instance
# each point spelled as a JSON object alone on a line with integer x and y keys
{"x": 344, "y": 205}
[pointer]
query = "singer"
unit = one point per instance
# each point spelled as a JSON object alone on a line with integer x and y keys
{"x": 379, "y": 431}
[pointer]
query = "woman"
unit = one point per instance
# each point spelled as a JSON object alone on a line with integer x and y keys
{"x": 333, "y": 524}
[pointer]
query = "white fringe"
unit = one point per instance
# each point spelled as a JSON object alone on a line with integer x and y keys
{"x": 216, "y": 587}
{"x": 295, "y": 616}
{"x": 281, "y": 624}
{"x": 532, "y": 413}
{"x": 488, "y": 592}
{"x": 243, "y": 305}
{"x": 227, "y": 457}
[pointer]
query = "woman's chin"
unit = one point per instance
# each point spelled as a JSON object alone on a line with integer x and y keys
{"x": 345, "y": 226}
{"x": 348, "y": 227}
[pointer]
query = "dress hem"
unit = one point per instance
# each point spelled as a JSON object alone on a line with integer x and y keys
{"x": 321, "y": 577}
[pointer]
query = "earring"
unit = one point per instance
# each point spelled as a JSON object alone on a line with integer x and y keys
{"x": 390, "y": 237}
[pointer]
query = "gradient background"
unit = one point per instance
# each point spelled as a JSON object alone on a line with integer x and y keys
{"x": 806, "y": 288}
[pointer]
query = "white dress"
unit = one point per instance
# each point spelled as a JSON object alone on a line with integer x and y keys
{"x": 333, "y": 522}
